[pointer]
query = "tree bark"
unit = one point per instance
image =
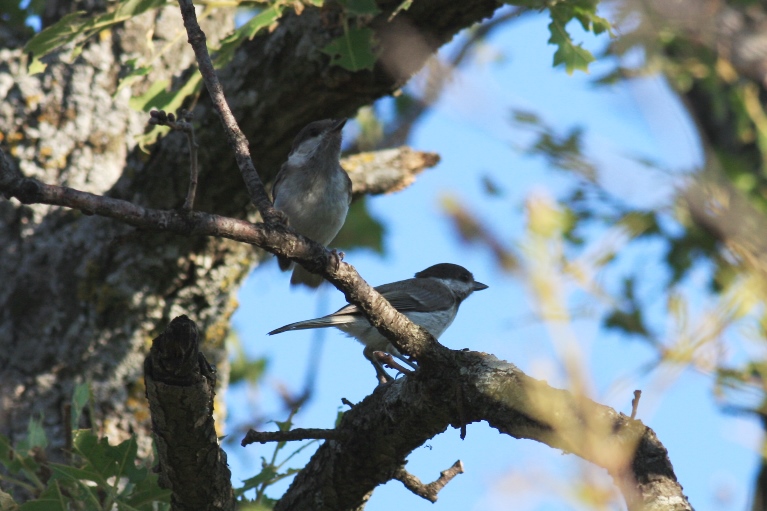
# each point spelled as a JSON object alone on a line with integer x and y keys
{"x": 81, "y": 294}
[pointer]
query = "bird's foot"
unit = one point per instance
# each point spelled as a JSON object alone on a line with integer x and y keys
{"x": 338, "y": 257}
{"x": 388, "y": 361}
{"x": 278, "y": 217}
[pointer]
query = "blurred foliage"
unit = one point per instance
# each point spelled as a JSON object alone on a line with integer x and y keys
{"x": 572, "y": 56}
{"x": 711, "y": 228}
{"x": 100, "y": 476}
{"x": 272, "y": 471}
{"x": 15, "y": 13}
{"x": 243, "y": 368}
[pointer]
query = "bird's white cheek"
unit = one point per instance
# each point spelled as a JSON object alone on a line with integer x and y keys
{"x": 304, "y": 152}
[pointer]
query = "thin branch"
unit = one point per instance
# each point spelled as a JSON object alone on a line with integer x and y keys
{"x": 635, "y": 403}
{"x": 184, "y": 125}
{"x": 428, "y": 491}
{"x": 234, "y": 135}
{"x": 253, "y": 436}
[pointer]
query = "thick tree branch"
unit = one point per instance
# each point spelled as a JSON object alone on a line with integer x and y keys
{"x": 387, "y": 170}
{"x": 380, "y": 432}
{"x": 180, "y": 388}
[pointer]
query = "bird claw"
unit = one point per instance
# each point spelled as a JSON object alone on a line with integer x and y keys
{"x": 388, "y": 361}
{"x": 279, "y": 217}
{"x": 338, "y": 257}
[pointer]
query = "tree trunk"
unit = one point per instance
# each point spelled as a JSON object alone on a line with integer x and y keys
{"x": 83, "y": 295}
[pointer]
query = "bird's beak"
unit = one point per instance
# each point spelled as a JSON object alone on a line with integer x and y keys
{"x": 479, "y": 286}
{"x": 339, "y": 125}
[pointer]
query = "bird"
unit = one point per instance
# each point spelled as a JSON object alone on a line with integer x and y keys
{"x": 312, "y": 190}
{"x": 430, "y": 299}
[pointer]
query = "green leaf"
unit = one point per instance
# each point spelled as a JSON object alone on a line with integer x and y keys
{"x": 267, "y": 474}
{"x": 36, "y": 66}
{"x": 147, "y": 494}
{"x": 51, "y": 499}
{"x": 60, "y": 33}
{"x": 360, "y": 7}
{"x": 80, "y": 398}
{"x": 75, "y": 26}
{"x": 7, "y": 502}
{"x": 132, "y": 75}
{"x": 404, "y": 6}
{"x": 104, "y": 461}
{"x": 574, "y": 57}
{"x": 225, "y": 52}
{"x": 35, "y": 436}
{"x": 353, "y": 50}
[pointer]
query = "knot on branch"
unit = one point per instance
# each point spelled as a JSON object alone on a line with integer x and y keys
{"x": 175, "y": 357}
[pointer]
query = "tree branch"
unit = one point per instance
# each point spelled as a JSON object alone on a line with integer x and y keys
{"x": 387, "y": 170}
{"x": 385, "y": 427}
{"x": 102, "y": 278}
{"x": 180, "y": 388}
{"x": 234, "y": 134}
{"x": 428, "y": 491}
{"x": 253, "y": 436}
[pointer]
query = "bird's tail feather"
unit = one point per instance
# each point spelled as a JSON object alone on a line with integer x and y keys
{"x": 324, "y": 322}
{"x": 285, "y": 264}
{"x": 301, "y": 276}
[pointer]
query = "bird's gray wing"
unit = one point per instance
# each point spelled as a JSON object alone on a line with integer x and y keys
{"x": 417, "y": 295}
{"x": 411, "y": 295}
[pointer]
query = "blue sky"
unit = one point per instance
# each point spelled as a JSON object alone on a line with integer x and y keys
{"x": 714, "y": 455}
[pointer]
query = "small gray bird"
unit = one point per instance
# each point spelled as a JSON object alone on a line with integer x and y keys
{"x": 430, "y": 300}
{"x": 313, "y": 190}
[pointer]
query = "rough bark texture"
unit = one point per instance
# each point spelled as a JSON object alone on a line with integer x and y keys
{"x": 376, "y": 435}
{"x": 82, "y": 295}
{"x": 180, "y": 386}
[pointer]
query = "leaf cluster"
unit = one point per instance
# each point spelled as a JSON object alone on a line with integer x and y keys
{"x": 100, "y": 476}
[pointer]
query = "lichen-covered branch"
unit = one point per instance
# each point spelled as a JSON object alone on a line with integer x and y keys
{"x": 380, "y": 432}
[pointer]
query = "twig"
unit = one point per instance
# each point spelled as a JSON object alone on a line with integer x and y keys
{"x": 275, "y": 238}
{"x": 347, "y": 402}
{"x": 459, "y": 408}
{"x": 253, "y": 436}
{"x": 234, "y": 135}
{"x": 635, "y": 403}
{"x": 428, "y": 491}
{"x": 183, "y": 124}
